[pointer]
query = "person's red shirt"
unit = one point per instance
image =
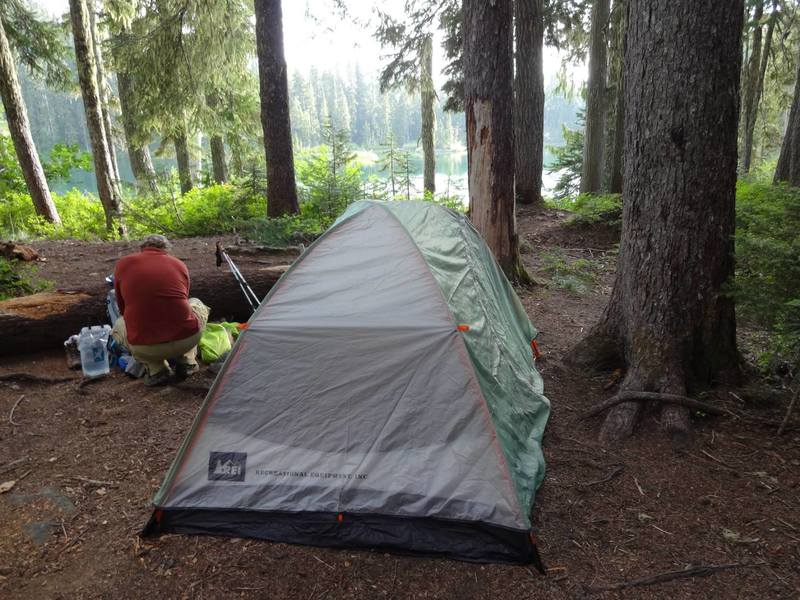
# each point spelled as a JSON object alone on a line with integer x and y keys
{"x": 153, "y": 295}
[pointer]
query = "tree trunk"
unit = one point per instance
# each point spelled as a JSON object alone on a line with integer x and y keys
{"x": 529, "y": 101}
{"x": 107, "y": 185}
{"x": 489, "y": 100}
{"x": 615, "y": 125}
{"x": 616, "y": 166}
{"x": 753, "y": 94}
{"x": 427, "y": 97}
{"x": 669, "y": 319}
{"x": 750, "y": 79}
{"x": 102, "y": 86}
{"x": 218, "y": 163}
{"x": 237, "y": 163}
{"x": 182, "y": 156}
{"x": 593, "y": 139}
{"x": 788, "y": 168}
{"x": 138, "y": 154}
{"x": 274, "y": 92}
{"x": 20, "y": 130}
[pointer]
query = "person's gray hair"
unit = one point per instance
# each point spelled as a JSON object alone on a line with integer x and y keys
{"x": 155, "y": 241}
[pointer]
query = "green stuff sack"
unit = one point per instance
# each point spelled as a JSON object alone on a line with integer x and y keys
{"x": 215, "y": 341}
{"x": 233, "y": 329}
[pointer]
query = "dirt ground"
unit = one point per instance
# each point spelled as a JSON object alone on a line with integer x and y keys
{"x": 87, "y": 462}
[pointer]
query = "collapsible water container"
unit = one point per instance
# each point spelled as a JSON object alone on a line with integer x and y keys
{"x": 92, "y": 344}
{"x": 112, "y": 308}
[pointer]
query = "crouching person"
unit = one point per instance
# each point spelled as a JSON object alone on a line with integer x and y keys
{"x": 159, "y": 321}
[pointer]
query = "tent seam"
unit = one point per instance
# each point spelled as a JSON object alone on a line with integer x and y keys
{"x": 522, "y": 510}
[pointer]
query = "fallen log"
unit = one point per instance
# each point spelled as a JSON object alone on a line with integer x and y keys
{"x": 43, "y": 321}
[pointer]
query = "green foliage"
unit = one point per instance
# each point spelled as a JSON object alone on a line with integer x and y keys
{"x": 577, "y": 276}
{"x": 19, "y": 279}
{"x": 395, "y": 165}
{"x": 37, "y": 41}
{"x": 81, "y": 216}
{"x": 63, "y": 159}
{"x": 188, "y": 63}
{"x": 767, "y": 287}
{"x": 202, "y": 211}
{"x": 329, "y": 177}
{"x": 567, "y": 161}
{"x": 451, "y": 202}
{"x": 590, "y": 209}
{"x": 288, "y": 230}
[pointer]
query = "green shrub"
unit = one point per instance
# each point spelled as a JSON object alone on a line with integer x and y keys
{"x": 577, "y": 276}
{"x": 767, "y": 286}
{"x": 63, "y": 158}
{"x": 81, "y": 217}
{"x": 590, "y": 209}
{"x": 329, "y": 178}
{"x": 211, "y": 210}
{"x": 567, "y": 160}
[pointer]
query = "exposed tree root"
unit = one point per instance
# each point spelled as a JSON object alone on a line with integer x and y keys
{"x": 654, "y": 397}
{"x": 700, "y": 571}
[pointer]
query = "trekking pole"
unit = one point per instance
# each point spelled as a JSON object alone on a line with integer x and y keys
{"x": 248, "y": 292}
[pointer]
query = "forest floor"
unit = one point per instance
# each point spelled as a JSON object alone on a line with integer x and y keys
{"x": 87, "y": 462}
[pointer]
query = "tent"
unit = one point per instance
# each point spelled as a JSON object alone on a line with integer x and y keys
{"x": 383, "y": 396}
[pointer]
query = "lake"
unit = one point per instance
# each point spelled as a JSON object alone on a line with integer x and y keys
{"x": 451, "y": 173}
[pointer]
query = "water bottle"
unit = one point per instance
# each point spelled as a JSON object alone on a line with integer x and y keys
{"x": 92, "y": 343}
{"x": 112, "y": 308}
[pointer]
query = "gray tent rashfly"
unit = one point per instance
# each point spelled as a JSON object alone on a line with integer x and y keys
{"x": 383, "y": 396}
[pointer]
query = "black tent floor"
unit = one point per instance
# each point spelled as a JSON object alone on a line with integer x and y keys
{"x": 467, "y": 541}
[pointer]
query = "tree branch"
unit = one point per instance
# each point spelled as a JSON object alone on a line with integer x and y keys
{"x": 700, "y": 571}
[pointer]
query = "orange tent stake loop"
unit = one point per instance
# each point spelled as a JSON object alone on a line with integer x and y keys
{"x": 536, "y": 354}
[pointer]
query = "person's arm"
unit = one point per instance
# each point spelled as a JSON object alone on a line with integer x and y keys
{"x": 118, "y": 291}
{"x": 187, "y": 280}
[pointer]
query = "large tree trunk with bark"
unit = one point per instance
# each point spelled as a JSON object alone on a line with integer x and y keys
{"x": 788, "y": 169}
{"x": 181, "y": 142}
{"x": 756, "y": 71}
{"x": 669, "y": 319}
{"x": 219, "y": 167}
{"x": 218, "y": 164}
{"x": 102, "y": 84}
{"x": 594, "y": 135}
{"x": 274, "y": 91}
{"x": 615, "y": 124}
{"x": 489, "y": 101}
{"x": 427, "y": 97}
{"x": 107, "y": 184}
{"x": 138, "y": 153}
{"x": 20, "y": 129}
{"x": 529, "y": 101}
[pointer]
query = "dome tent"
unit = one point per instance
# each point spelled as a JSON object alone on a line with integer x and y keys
{"x": 383, "y": 395}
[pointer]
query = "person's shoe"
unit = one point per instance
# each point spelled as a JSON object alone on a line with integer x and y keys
{"x": 184, "y": 371}
{"x": 159, "y": 379}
